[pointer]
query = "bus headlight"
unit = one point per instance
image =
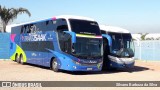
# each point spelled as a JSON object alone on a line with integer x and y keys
{"x": 115, "y": 59}
{"x": 76, "y": 62}
{"x": 112, "y": 58}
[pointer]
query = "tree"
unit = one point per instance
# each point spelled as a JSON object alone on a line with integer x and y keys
{"x": 148, "y": 39}
{"x": 9, "y": 14}
{"x": 143, "y": 35}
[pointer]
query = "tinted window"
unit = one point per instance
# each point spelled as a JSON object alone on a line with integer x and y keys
{"x": 30, "y": 46}
{"x": 44, "y": 45}
{"x": 41, "y": 46}
{"x": 50, "y": 26}
{"x": 62, "y": 28}
{"x": 34, "y": 27}
{"x": 64, "y": 39}
{"x": 88, "y": 47}
{"x": 84, "y": 27}
{"x": 27, "y": 29}
{"x": 40, "y": 26}
{"x": 121, "y": 42}
{"x": 65, "y": 43}
{"x": 103, "y": 32}
{"x": 44, "y": 26}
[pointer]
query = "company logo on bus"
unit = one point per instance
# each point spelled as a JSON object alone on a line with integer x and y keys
{"x": 89, "y": 61}
{"x": 34, "y": 37}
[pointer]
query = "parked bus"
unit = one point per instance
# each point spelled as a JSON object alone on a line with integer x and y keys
{"x": 64, "y": 42}
{"x": 118, "y": 48}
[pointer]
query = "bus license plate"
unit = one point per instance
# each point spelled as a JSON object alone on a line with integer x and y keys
{"x": 89, "y": 68}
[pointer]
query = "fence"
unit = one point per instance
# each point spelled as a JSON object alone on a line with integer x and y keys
{"x": 147, "y": 50}
{"x": 4, "y": 45}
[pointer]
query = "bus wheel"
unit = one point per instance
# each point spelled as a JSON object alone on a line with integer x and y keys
{"x": 55, "y": 65}
{"x": 16, "y": 58}
{"x": 21, "y": 59}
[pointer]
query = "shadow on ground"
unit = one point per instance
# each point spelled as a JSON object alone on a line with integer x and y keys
{"x": 129, "y": 70}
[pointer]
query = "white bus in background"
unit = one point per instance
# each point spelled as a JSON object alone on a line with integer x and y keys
{"x": 118, "y": 48}
{"x": 8, "y": 27}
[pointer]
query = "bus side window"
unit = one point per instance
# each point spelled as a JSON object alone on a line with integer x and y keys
{"x": 60, "y": 32}
{"x": 103, "y": 32}
{"x": 64, "y": 40}
{"x": 30, "y": 27}
{"x": 22, "y": 30}
{"x": 39, "y": 27}
{"x": 49, "y": 26}
{"x": 62, "y": 26}
{"x": 26, "y": 30}
{"x": 47, "y": 22}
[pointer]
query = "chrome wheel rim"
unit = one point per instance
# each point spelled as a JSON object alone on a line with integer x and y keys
{"x": 21, "y": 59}
{"x": 17, "y": 58}
{"x": 55, "y": 64}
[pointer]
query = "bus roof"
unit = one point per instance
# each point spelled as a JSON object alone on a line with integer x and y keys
{"x": 58, "y": 17}
{"x": 113, "y": 29}
{"x": 74, "y": 17}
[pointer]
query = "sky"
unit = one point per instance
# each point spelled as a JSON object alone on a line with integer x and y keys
{"x": 138, "y": 16}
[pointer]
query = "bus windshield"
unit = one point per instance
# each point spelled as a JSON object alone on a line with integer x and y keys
{"x": 121, "y": 42}
{"x": 86, "y": 48}
{"x": 84, "y": 27}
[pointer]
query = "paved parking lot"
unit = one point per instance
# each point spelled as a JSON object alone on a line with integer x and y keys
{"x": 143, "y": 71}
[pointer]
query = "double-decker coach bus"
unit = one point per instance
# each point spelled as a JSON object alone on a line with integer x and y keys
{"x": 64, "y": 42}
{"x": 118, "y": 48}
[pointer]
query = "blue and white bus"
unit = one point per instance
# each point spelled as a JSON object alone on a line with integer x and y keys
{"x": 66, "y": 42}
{"x": 118, "y": 48}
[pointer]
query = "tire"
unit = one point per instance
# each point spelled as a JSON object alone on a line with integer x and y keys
{"x": 55, "y": 65}
{"x": 16, "y": 58}
{"x": 21, "y": 59}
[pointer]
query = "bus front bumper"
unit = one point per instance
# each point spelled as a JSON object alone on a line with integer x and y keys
{"x": 79, "y": 67}
{"x": 121, "y": 62}
{"x": 85, "y": 68}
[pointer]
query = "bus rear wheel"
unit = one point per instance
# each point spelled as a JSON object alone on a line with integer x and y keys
{"x": 55, "y": 65}
{"x": 16, "y": 58}
{"x": 21, "y": 59}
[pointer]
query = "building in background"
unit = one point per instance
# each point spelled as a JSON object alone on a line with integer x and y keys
{"x": 152, "y": 36}
{"x": 136, "y": 36}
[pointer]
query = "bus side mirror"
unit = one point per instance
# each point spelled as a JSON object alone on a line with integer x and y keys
{"x": 108, "y": 38}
